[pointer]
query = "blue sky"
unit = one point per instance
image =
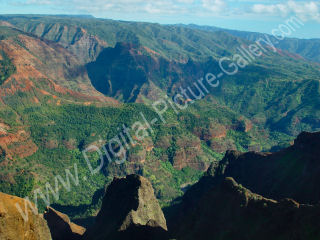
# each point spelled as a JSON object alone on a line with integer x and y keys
{"x": 250, "y": 15}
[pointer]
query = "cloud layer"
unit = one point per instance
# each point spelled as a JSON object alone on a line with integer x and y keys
{"x": 307, "y": 10}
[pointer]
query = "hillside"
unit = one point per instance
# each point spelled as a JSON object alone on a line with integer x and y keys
{"x": 278, "y": 91}
{"x": 171, "y": 42}
{"x": 282, "y": 202}
{"x": 38, "y": 76}
{"x": 307, "y": 48}
{"x": 35, "y": 73}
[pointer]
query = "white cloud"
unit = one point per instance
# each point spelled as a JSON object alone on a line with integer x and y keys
{"x": 186, "y": 1}
{"x": 40, "y": 2}
{"x": 215, "y": 6}
{"x": 305, "y": 10}
{"x": 158, "y": 7}
{"x": 98, "y": 7}
{"x": 133, "y": 6}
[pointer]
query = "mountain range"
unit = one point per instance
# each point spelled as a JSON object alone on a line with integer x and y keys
{"x": 69, "y": 82}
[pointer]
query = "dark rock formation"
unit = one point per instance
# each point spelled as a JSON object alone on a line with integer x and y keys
{"x": 219, "y": 207}
{"x": 129, "y": 211}
{"x": 61, "y": 227}
{"x": 14, "y": 227}
{"x": 224, "y": 210}
{"x": 291, "y": 173}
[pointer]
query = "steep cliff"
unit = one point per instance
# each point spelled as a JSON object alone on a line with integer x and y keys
{"x": 285, "y": 204}
{"x": 293, "y": 172}
{"x": 61, "y": 227}
{"x": 225, "y": 210}
{"x": 13, "y": 226}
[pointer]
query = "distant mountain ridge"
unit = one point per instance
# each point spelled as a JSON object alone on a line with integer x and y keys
{"x": 307, "y": 48}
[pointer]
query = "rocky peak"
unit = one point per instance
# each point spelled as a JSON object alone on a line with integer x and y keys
{"x": 308, "y": 141}
{"x": 290, "y": 173}
{"x": 226, "y": 210}
{"x": 128, "y": 206}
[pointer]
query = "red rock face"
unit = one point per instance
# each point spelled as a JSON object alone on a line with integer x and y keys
{"x": 215, "y": 131}
{"x": 187, "y": 153}
{"x": 7, "y": 24}
{"x": 70, "y": 144}
{"x": 222, "y": 145}
{"x": 43, "y": 69}
{"x": 23, "y": 145}
{"x": 46, "y": 61}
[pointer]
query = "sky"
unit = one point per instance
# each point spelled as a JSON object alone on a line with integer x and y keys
{"x": 248, "y": 15}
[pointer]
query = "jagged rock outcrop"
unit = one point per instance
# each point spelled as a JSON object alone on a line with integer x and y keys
{"x": 219, "y": 207}
{"x": 14, "y": 227}
{"x": 290, "y": 173}
{"x": 76, "y": 39}
{"x": 129, "y": 208}
{"x": 61, "y": 227}
{"x": 225, "y": 210}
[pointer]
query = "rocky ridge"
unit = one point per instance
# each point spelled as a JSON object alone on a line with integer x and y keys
{"x": 14, "y": 227}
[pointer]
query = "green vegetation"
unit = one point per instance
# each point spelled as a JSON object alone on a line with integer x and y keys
{"x": 2, "y": 154}
{"x": 7, "y": 32}
{"x": 22, "y": 185}
{"x": 6, "y": 67}
{"x": 61, "y": 132}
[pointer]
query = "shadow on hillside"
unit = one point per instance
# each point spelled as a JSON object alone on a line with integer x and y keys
{"x": 74, "y": 211}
